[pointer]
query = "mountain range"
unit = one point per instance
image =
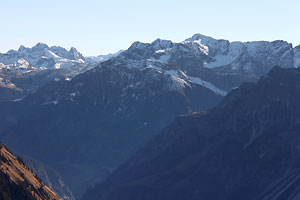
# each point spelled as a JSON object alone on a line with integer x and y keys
{"x": 25, "y": 70}
{"x": 85, "y": 118}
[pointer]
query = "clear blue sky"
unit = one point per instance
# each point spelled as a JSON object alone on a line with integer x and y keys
{"x": 99, "y": 27}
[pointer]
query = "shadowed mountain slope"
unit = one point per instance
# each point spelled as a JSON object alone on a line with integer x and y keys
{"x": 245, "y": 148}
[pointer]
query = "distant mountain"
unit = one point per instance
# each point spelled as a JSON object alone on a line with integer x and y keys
{"x": 102, "y": 58}
{"x": 25, "y": 70}
{"x": 200, "y": 56}
{"x": 29, "y": 68}
{"x": 245, "y": 148}
{"x": 87, "y": 126}
{"x": 18, "y": 182}
{"x": 8, "y": 90}
{"x": 40, "y": 57}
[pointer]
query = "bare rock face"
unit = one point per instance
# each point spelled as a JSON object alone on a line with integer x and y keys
{"x": 18, "y": 182}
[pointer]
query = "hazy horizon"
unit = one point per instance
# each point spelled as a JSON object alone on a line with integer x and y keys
{"x": 144, "y": 42}
{"x": 98, "y": 27}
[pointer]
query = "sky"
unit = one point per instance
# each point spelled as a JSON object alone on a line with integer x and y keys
{"x": 101, "y": 27}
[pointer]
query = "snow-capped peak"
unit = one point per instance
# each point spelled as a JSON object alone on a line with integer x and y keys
{"x": 39, "y": 46}
{"x": 102, "y": 58}
{"x": 22, "y": 48}
{"x": 41, "y": 56}
{"x": 201, "y": 37}
{"x": 297, "y": 56}
{"x": 159, "y": 44}
{"x": 139, "y": 45}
